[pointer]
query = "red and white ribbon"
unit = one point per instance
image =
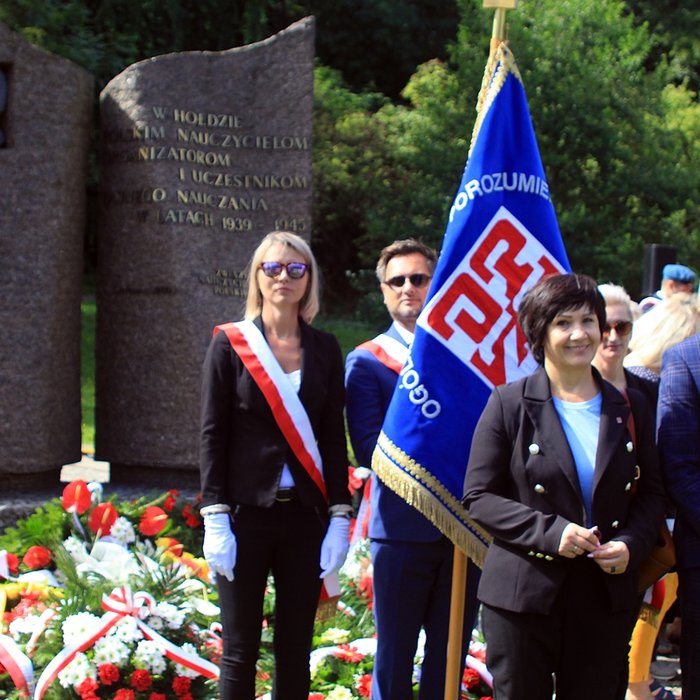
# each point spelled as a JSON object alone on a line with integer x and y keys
{"x": 288, "y": 410}
{"x": 389, "y": 351}
{"x": 119, "y": 604}
{"x": 17, "y": 664}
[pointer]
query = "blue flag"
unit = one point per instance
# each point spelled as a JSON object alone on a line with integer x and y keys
{"x": 501, "y": 238}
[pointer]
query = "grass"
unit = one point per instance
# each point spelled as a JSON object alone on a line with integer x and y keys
{"x": 87, "y": 372}
{"x": 349, "y": 333}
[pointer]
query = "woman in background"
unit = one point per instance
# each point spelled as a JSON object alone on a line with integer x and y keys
{"x": 670, "y": 321}
{"x": 657, "y": 599}
{"x": 273, "y": 467}
{"x": 550, "y": 476}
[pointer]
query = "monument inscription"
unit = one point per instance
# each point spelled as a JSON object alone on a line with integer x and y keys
{"x": 202, "y": 154}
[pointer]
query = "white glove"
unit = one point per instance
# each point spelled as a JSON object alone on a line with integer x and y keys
{"x": 334, "y": 547}
{"x": 219, "y": 545}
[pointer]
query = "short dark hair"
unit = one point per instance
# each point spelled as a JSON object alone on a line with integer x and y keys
{"x": 551, "y": 296}
{"x": 405, "y": 247}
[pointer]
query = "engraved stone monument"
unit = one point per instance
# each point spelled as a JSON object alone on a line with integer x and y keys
{"x": 45, "y": 120}
{"x": 202, "y": 154}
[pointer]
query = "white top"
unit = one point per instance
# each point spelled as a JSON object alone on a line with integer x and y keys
{"x": 287, "y": 480}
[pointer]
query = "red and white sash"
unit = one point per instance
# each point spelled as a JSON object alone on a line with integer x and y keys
{"x": 389, "y": 351}
{"x": 289, "y": 412}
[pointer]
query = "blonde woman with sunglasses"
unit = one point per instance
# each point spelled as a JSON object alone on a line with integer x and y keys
{"x": 273, "y": 465}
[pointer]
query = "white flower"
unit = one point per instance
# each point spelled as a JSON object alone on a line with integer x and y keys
{"x": 96, "y": 489}
{"x": 76, "y": 548}
{"x": 335, "y": 635}
{"x": 339, "y": 693}
{"x": 110, "y": 560}
{"x": 23, "y": 625}
{"x": 183, "y": 670}
{"x": 111, "y": 650}
{"x": 126, "y": 630}
{"x": 148, "y": 655}
{"x": 123, "y": 531}
{"x": 76, "y": 628}
{"x": 76, "y": 672}
{"x": 174, "y": 617}
{"x": 155, "y": 622}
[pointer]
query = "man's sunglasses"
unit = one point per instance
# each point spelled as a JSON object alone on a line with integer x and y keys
{"x": 295, "y": 270}
{"x": 622, "y": 327}
{"x": 418, "y": 280}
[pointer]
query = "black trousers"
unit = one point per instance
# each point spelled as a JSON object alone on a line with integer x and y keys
{"x": 412, "y": 588}
{"x": 580, "y": 648}
{"x": 285, "y": 540}
{"x": 689, "y": 599}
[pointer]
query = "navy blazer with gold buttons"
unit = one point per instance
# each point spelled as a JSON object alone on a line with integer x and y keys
{"x": 522, "y": 486}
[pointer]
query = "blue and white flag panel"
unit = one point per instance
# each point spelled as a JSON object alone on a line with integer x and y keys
{"x": 501, "y": 238}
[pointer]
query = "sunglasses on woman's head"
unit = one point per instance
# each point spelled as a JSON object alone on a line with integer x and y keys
{"x": 418, "y": 280}
{"x": 621, "y": 327}
{"x": 295, "y": 270}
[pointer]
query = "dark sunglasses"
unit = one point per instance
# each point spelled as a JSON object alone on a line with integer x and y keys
{"x": 622, "y": 327}
{"x": 274, "y": 269}
{"x": 418, "y": 280}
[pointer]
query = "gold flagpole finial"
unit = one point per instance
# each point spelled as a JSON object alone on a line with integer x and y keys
{"x": 498, "y": 34}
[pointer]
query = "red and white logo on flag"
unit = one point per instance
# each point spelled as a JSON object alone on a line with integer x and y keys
{"x": 473, "y": 314}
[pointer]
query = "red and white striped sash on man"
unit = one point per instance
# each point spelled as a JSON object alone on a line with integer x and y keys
{"x": 389, "y": 351}
{"x": 289, "y": 412}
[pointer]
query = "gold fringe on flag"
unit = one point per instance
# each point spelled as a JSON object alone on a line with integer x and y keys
{"x": 420, "y": 489}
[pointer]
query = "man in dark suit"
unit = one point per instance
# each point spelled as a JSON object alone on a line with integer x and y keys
{"x": 412, "y": 559}
{"x": 678, "y": 433}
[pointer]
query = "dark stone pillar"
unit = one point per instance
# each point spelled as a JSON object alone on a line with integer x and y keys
{"x": 45, "y": 120}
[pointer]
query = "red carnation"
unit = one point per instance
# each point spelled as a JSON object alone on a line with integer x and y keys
{"x": 470, "y": 678}
{"x": 316, "y": 696}
{"x": 181, "y": 685}
{"x": 153, "y": 520}
{"x": 141, "y": 680}
{"x": 191, "y": 518}
{"x": 125, "y": 694}
{"x": 349, "y": 653}
{"x": 157, "y": 696}
{"x": 88, "y": 689}
{"x": 37, "y": 557}
{"x": 108, "y": 673}
{"x": 364, "y": 685}
{"x": 12, "y": 561}
{"x": 76, "y": 497}
{"x": 102, "y": 518}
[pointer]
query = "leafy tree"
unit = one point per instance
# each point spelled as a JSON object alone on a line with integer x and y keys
{"x": 377, "y": 44}
{"x": 611, "y": 158}
{"x": 675, "y": 28}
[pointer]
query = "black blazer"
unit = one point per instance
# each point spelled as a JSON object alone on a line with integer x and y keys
{"x": 522, "y": 486}
{"x": 242, "y": 449}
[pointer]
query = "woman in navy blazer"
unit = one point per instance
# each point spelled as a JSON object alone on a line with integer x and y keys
{"x": 572, "y": 503}
{"x": 263, "y": 512}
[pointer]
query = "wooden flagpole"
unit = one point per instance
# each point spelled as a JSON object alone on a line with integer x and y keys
{"x": 453, "y": 669}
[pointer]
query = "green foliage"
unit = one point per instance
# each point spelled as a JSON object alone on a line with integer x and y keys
{"x": 392, "y": 124}
{"x": 612, "y": 157}
{"x": 87, "y": 369}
